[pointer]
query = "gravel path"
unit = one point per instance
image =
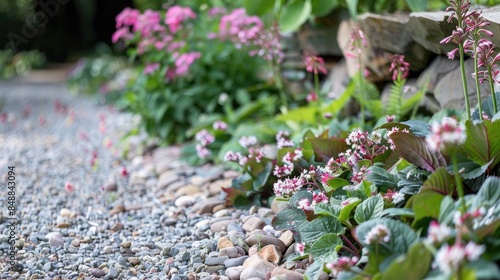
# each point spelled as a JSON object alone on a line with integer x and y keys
{"x": 148, "y": 217}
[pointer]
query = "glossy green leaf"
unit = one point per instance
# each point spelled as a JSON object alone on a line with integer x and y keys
{"x": 412, "y": 266}
{"x": 418, "y": 127}
{"x": 483, "y": 269}
{"x": 289, "y": 218}
{"x": 402, "y": 236}
{"x": 261, "y": 179}
{"x": 310, "y": 232}
{"x": 258, "y": 7}
{"x": 324, "y": 149}
{"x": 323, "y": 7}
{"x": 488, "y": 195}
{"x": 325, "y": 247}
{"x": 336, "y": 183}
{"x": 294, "y": 15}
{"x": 446, "y": 211}
{"x": 382, "y": 179}
{"x": 395, "y": 212}
{"x": 427, "y": 204}
{"x": 345, "y": 213}
{"x": 414, "y": 150}
{"x": 417, "y": 5}
{"x": 487, "y": 107}
{"x": 440, "y": 182}
{"x": 369, "y": 209}
{"x": 483, "y": 142}
{"x": 325, "y": 209}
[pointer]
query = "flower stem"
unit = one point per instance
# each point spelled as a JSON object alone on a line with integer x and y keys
{"x": 458, "y": 183}
{"x": 478, "y": 90}
{"x": 492, "y": 89}
{"x": 349, "y": 243}
{"x": 464, "y": 81}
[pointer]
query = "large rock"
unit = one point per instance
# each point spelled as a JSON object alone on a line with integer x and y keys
{"x": 449, "y": 91}
{"x": 429, "y": 28}
{"x": 493, "y": 16}
{"x": 440, "y": 67}
{"x": 380, "y": 30}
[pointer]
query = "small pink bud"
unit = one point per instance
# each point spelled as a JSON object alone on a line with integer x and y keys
{"x": 69, "y": 187}
{"x": 124, "y": 172}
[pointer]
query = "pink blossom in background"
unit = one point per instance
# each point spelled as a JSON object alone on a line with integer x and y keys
{"x": 150, "y": 68}
{"x": 239, "y": 27}
{"x": 268, "y": 45}
{"x": 213, "y": 12}
{"x": 184, "y": 61}
{"x": 399, "y": 67}
{"x": 176, "y": 15}
{"x": 438, "y": 233}
{"x": 204, "y": 137}
{"x": 148, "y": 22}
{"x": 312, "y": 96}
{"x": 449, "y": 258}
{"x": 202, "y": 151}
{"x": 300, "y": 247}
{"x": 165, "y": 41}
{"x": 448, "y": 132}
{"x": 26, "y": 110}
{"x": 342, "y": 264}
{"x": 121, "y": 33}
{"x": 127, "y": 17}
{"x": 378, "y": 234}
{"x": 124, "y": 172}
{"x": 314, "y": 63}
{"x": 304, "y": 204}
{"x": 220, "y": 125}
{"x": 69, "y": 187}
{"x": 247, "y": 141}
{"x": 42, "y": 120}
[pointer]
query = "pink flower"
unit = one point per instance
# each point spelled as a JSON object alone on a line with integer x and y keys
{"x": 150, "y": 68}
{"x": 342, "y": 264}
{"x": 148, "y": 22}
{"x": 356, "y": 43}
{"x": 399, "y": 67}
{"x": 438, "y": 233}
{"x": 319, "y": 197}
{"x": 220, "y": 125}
{"x": 256, "y": 154}
{"x": 213, "y": 12}
{"x": 444, "y": 134}
{"x": 247, "y": 141}
{"x": 124, "y": 172}
{"x": 304, "y": 204}
{"x": 121, "y": 33}
{"x": 378, "y": 234}
{"x": 127, "y": 17}
{"x": 176, "y": 15}
{"x": 449, "y": 258}
{"x": 290, "y": 157}
{"x": 239, "y": 27}
{"x": 184, "y": 61}
{"x": 314, "y": 63}
{"x": 202, "y": 151}
{"x": 69, "y": 187}
{"x": 283, "y": 171}
{"x": 287, "y": 187}
{"x": 300, "y": 247}
{"x": 204, "y": 137}
{"x": 283, "y": 140}
{"x": 312, "y": 96}
{"x": 231, "y": 156}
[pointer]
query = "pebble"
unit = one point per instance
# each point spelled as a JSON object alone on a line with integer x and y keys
{"x": 55, "y": 239}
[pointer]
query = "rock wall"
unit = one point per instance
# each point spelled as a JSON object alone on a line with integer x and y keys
{"x": 417, "y": 36}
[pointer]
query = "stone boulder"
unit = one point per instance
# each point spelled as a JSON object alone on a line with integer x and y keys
{"x": 429, "y": 28}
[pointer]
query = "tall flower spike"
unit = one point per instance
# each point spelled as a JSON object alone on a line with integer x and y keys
{"x": 314, "y": 63}
{"x": 399, "y": 67}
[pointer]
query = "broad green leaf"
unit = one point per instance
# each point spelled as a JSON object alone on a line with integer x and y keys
{"x": 289, "y": 218}
{"x": 411, "y": 179}
{"x": 345, "y": 213}
{"x": 324, "y": 149}
{"x": 483, "y": 142}
{"x": 427, "y": 204}
{"x": 487, "y": 107}
{"x": 417, "y": 5}
{"x": 305, "y": 114}
{"x": 418, "y": 127}
{"x": 440, "y": 182}
{"x": 313, "y": 271}
{"x": 446, "y": 211}
{"x": 382, "y": 179}
{"x": 394, "y": 212}
{"x": 402, "y": 236}
{"x": 325, "y": 247}
{"x": 335, "y": 106}
{"x": 352, "y": 6}
{"x": 325, "y": 209}
{"x": 310, "y": 232}
{"x": 488, "y": 195}
{"x": 369, "y": 209}
{"x": 299, "y": 196}
{"x": 336, "y": 183}
{"x": 483, "y": 269}
{"x": 412, "y": 266}
{"x": 294, "y": 15}
{"x": 258, "y": 7}
{"x": 414, "y": 149}
{"x": 470, "y": 170}
{"x": 261, "y": 179}
{"x": 323, "y": 7}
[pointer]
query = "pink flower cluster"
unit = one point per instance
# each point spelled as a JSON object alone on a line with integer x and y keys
{"x": 378, "y": 234}
{"x": 450, "y": 258}
{"x": 283, "y": 139}
{"x": 287, "y": 187}
{"x": 356, "y": 43}
{"x": 365, "y": 145}
{"x": 314, "y": 64}
{"x": 342, "y": 264}
{"x": 204, "y": 139}
{"x": 318, "y": 198}
{"x": 393, "y": 197}
{"x": 240, "y": 28}
{"x": 447, "y": 133}
{"x": 399, "y": 67}
{"x": 176, "y": 15}
{"x": 438, "y": 233}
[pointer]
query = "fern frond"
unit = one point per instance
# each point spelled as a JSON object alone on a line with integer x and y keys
{"x": 394, "y": 102}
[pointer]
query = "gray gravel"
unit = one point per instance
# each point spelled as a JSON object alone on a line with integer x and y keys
{"x": 45, "y": 145}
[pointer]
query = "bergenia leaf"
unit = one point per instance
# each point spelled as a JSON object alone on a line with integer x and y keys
{"x": 310, "y": 232}
{"x": 324, "y": 149}
{"x": 369, "y": 209}
{"x": 483, "y": 142}
{"x": 440, "y": 182}
{"x": 414, "y": 149}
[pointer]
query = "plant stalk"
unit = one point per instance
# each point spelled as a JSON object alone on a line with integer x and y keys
{"x": 458, "y": 183}
{"x": 476, "y": 78}
{"x": 464, "y": 81}
{"x": 492, "y": 89}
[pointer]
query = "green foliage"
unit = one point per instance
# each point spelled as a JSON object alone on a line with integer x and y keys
{"x": 18, "y": 64}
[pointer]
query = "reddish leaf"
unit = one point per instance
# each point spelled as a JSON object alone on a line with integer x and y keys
{"x": 414, "y": 150}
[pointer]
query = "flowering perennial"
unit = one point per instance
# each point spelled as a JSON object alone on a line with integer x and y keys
{"x": 446, "y": 133}
{"x": 449, "y": 258}
{"x": 378, "y": 234}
